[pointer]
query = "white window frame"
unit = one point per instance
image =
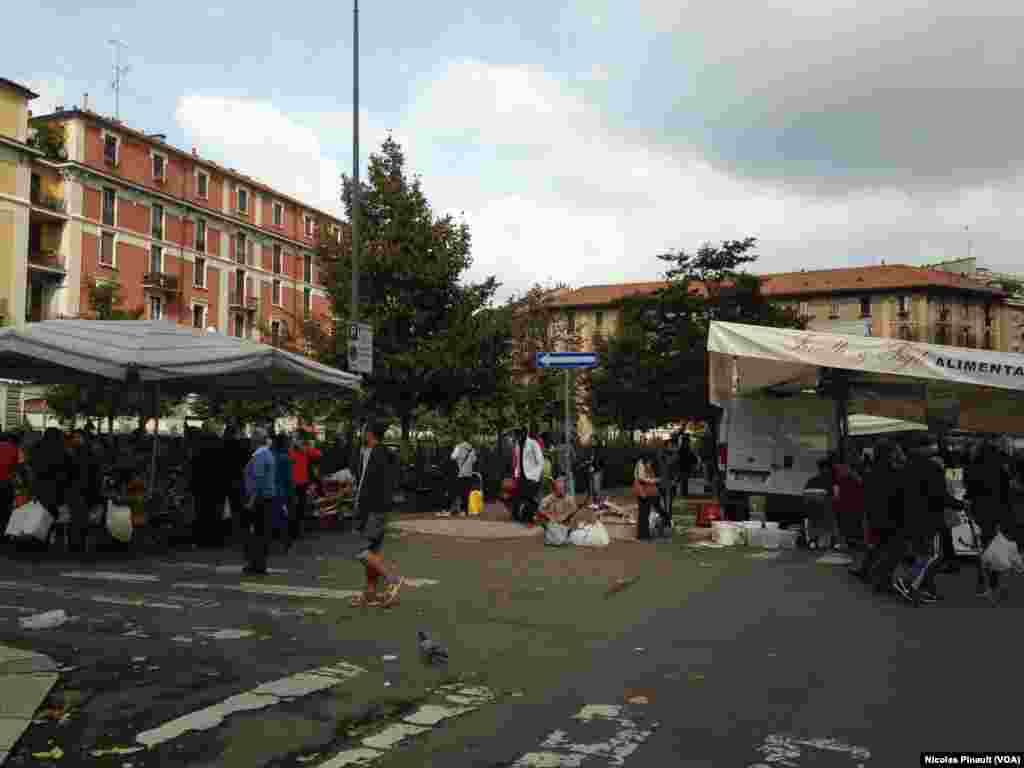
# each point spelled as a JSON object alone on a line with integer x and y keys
{"x": 239, "y": 192}
{"x": 155, "y": 301}
{"x": 197, "y": 272}
{"x": 163, "y": 221}
{"x": 117, "y": 147}
{"x": 159, "y": 251}
{"x": 103, "y": 200}
{"x": 277, "y": 259}
{"x": 277, "y": 221}
{"x": 275, "y": 293}
{"x": 153, "y": 155}
{"x": 199, "y": 305}
{"x": 307, "y": 223}
{"x": 195, "y": 238}
{"x": 113, "y": 250}
{"x": 203, "y": 195}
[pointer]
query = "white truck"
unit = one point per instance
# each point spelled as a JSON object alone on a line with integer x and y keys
{"x": 770, "y": 446}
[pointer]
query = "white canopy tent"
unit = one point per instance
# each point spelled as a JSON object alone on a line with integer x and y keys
{"x": 157, "y": 352}
{"x": 863, "y": 424}
{"x": 888, "y": 377}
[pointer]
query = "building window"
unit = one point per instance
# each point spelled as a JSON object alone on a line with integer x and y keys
{"x": 988, "y": 315}
{"x": 833, "y": 310}
{"x": 307, "y": 268}
{"x": 156, "y": 259}
{"x": 198, "y": 316}
{"x": 107, "y": 249}
{"x": 109, "y": 207}
{"x": 275, "y": 332}
{"x": 905, "y": 332}
{"x": 804, "y": 309}
{"x": 988, "y": 340}
{"x": 156, "y": 308}
{"x": 202, "y": 184}
{"x": 111, "y": 147}
{"x": 239, "y": 326}
{"x": 965, "y": 310}
{"x": 240, "y": 246}
{"x": 156, "y": 216}
{"x": 159, "y": 167}
{"x": 599, "y": 320}
{"x": 243, "y": 200}
{"x": 201, "y": 236}
{"x": 239, "y": 285}
{"x": 865, "y": 306}
{"x": 903, "y": 305}
{"x": 276, "y": 265}
{"x": 307, "y": 302}
{"x": 308, "y": 220}
{"x": 570, "y": 321}
{"x": 942, "y": 335}
{"x": 275, "y": 293}
{"x": 199, "y": 273}
{"x": 278, "y": 215}
{"x": 944, "y": 312}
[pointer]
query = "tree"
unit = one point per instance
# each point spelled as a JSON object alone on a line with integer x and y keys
{"x": 50, "y": 139}
{"x": 428, "y": 333}
{"x": 654, "y": 372}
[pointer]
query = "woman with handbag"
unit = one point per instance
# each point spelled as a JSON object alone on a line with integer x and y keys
{"x": 645, "y": 488}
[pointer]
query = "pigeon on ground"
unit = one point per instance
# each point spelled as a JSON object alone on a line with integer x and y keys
{"x": 433, "y": 652}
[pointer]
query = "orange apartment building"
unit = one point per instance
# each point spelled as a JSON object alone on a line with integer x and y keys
{"x": 186, "y": 239}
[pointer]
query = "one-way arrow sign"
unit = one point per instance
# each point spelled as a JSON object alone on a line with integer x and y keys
{"x": 566, "y": 360}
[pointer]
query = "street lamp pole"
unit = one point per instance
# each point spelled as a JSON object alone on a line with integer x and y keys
{"x": 355, "y": 162}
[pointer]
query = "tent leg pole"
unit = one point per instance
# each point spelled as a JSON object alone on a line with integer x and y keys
{"x": 156, "y": 437}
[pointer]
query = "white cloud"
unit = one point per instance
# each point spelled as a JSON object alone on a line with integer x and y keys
{"x": 551, "y": 191}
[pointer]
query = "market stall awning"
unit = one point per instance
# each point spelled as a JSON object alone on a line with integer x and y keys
{"x": 180, "y": 359}
{"x": 863, "y": 424}
{"x": 986, "y": 387}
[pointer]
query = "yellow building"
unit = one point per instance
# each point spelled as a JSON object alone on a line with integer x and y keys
{"x": 16, "y": 160}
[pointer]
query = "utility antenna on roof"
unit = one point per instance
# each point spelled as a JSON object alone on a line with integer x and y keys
{"x": 967, "y": 231}
{"x": 119, "y": 72}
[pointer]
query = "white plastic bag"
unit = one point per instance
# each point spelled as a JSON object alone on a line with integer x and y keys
{"x": 226, "y": 515}
{"x": 36, "y": 521}
{"x": 998, "y": 556}
{"x": 16, "y": 525}
{"x": 595, "y": 535}
{"x": 556, "y": 535}
{"x": 119, "y": 522}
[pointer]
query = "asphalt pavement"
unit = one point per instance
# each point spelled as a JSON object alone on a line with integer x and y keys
{"x": 641, "y": 654}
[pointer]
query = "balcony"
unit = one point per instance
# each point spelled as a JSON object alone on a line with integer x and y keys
{"x": 160, "y": 281}
{"x": 239, "y": 301}
{"x": 50, "y": 262}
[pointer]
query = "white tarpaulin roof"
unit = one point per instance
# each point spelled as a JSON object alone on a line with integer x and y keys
{"x": 179, "y": 358}
{"x": 865, "y": 424}
{"x": 987, "y": 385}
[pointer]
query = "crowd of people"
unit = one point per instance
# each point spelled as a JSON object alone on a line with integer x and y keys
{"x": 896, "y": 502}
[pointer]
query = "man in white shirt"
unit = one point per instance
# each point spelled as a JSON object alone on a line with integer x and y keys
{"x": 465, "y": 461}
{"x": 530, "y": 474}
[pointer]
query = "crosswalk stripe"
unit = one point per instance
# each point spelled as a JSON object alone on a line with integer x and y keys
{"x": 180, "y": 602}
{"x": 231, "y": 568}
{"x": 266, "y": 695}
{"x": 111, "y": 576}
{"x": 451, "y": 701}
{"x": 561, "y": 750}
{"x": 278, "y": 590}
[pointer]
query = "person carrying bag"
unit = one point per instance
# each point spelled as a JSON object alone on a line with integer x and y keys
{"x": 645, "y": 488}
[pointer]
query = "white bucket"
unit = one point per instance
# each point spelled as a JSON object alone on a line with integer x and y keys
{"x": 727, "y": 534}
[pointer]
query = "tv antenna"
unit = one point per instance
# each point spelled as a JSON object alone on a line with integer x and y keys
{"x": 119, "y": 72}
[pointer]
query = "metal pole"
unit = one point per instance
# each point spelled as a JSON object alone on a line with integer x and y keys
{"x": 355, "y": 162}
{"x": 570, "y": 479}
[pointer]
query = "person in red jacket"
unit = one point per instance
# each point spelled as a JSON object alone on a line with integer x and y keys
{"x": 302, "y": 453}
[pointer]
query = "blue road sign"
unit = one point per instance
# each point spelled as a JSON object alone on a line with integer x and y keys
{"x": 566, "y": 360}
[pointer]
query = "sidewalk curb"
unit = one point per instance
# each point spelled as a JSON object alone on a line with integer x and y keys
{"x": 26, "y": 677}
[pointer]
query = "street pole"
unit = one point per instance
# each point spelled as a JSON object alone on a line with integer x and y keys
{"x": 356, "y": 204}
{"x": 570, "y": 475}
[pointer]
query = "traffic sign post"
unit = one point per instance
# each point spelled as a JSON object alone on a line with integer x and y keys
{"x": 360, "y": 348}
{"x": 567, "y": 361}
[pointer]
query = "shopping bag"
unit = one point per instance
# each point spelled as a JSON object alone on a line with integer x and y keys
{"x": 226, "y": 514}
{"x": 595, "y": 535}
{"x": 556, "y": 535}
{"x": 16, "y": 525}
{"x": 998, "y": 555}
{"x": 36, "y": 522}
{"x": 119, "y": 522}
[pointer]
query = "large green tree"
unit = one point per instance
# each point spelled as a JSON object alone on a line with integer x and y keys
{"x": 655, "y": 370}
{"x": 429, "y": 336}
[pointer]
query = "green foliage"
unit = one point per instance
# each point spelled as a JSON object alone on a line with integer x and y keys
{"x": 50, "y": 139}
{"x": 431, "y": 330}
{"x": 107, "y": 304}
{"x": 654, "y": 371}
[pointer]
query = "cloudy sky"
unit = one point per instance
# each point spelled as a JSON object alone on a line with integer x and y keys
{"x": 579, "y": 140}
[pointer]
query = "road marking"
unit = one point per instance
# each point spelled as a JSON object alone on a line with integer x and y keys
{"x": 235, "y": 568}
{"x": 835, "y": 559}
{"x": 561, "y": 750}
{"x": 424, "y": 718}
{"x": 266, "y": 695}
{"x": 770, "y": 555}
{"x": 111, "y": 576}
{"x": 135, "y": 602}
{"x": 278, "y": 590}
{"x": 787, "y": 751}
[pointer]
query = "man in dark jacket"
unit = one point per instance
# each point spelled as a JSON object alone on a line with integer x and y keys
{"x": 988, "y": 485}
{"x": 925, "y": 498}
{"x": 235, "y": 454}
{"x": 885, "y": 493}
{"x": 374, "y": 497}
{"x": 80, "y": 465}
